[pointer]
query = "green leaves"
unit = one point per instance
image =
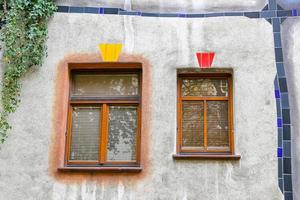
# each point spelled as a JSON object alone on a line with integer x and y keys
{"x": 24, "y": 36}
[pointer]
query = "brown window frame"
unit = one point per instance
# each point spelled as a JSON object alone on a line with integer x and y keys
{"x": 204, "y": 153}
{"x": 104, "y": 102}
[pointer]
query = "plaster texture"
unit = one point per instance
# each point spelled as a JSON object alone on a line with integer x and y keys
{"x": 289, "y": 4}
{"x": 190, "y": 6}
{"x": 242, "y": 44}
{"x": 291, "y": 47}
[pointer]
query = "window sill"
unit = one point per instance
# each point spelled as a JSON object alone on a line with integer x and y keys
{"x": 101, "y": 169}
{"x": 206, "y": 156}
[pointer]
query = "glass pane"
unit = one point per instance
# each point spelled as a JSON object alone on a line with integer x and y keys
{"x": 192, "y": 124}
{"x": 217, "y": 124}
{"x": 204, "y": 87}
{"x": 85, "y": 133}
{"x": 122, "y": 133}
{"x": 105, "y": 85}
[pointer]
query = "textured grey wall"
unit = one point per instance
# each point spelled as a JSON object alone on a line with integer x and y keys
{"x": 245, "y": 45}
{"x": 291, "y": 44}
{"x": 289, "y": 4}
{"x": 172, "y": 6}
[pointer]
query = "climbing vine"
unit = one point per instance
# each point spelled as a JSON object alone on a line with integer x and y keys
{"x": 23, "y": 38}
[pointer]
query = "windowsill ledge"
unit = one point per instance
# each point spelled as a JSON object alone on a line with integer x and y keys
{"x": 206, "y": 156}
{"x": 101, "y": 169}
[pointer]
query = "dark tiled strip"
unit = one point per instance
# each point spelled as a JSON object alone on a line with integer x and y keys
{"x": 274, "y": 14}
{"x": 282, "y": 101}
{"x": 268, "y": 14}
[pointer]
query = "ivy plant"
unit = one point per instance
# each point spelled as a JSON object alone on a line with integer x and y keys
{"x": 23, "y": 38}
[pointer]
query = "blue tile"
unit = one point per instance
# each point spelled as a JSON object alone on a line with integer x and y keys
{"x": 168, "y": 15}
{"x": 182, "y": 15}
{"x": 276, "y": 84}
{"x": 233, "y": 14}
{"x": 63, "y": 9}
{"x": 280, "y": 183}
{"x": 288, "y": 183}
{"x": 287, "y": 166}
{"x": 279, "y": 152}
{"x": 284, "y": 13}
{"x": 268, "y": 14}
{"x": 277, "y": 39}
{"x": 269, "y": 20}
{"x": 286, "y": 132}
{"x": 279, "y": 7}
{"x": 266, "y": 8}
{"x": 214, "y": 14}
{"x": 280, "y": 69}
{"x": 91, "y": 10}
{"x": 285, "y": 100}
{"x": 282, "y": 19}
{"x": 195, "y": 15}
{"x": 294, "y": 12}
{"x": 129, "y": 13}
{"x": 251, "y": 14}
{"x": 76, "y": 10}
{"x": 150, "y": 14}
{"x": 287, "y": 149}
{"x": 283, "y": 85}
{"x": 280, "y": 172}
{"x": 111, "y": 10}
{"x": 101, "y": 10}
{"x": 276, "y": 24}
{"x": 278, "y": 55}
{"x": 286, "y": 116}
{"x": 288, "y": 196}
{"x": 277, "y": 94}
{"x": 272, "y": 5}
{"x": 278, "y": 108}
{"x": 279, "y": 122}
{"x": 279, "y": 137}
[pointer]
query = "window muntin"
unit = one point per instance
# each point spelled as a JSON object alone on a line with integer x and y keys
{"x": 204, "y": 113}
{"x": 104, "y": 125}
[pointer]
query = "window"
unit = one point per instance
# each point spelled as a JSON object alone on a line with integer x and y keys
{"x": 204, "y": 115}
{"x": 104, "y": 119}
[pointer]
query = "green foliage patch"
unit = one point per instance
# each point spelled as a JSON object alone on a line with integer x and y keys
{"x": 23, "y": 39}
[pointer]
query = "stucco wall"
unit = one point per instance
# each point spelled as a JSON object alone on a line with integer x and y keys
{"x": 245, "y": 45}
{"x": 289, "y": 4}
{"x": 291, "y": 42}
{"x": 172, "y": 6}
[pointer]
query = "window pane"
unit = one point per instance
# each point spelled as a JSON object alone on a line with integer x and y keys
{"x": 85, "y": 133}
{"x": 105, "y": 85}
{"x": 122, "y": 133}
{"x": 192, "y": 124}
{"x": 204, "y": 87}
{"x": 217, "y": 124}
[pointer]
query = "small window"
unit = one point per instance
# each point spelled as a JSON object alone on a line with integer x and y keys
{"x": 204, "y": 114}
{"x": 104, "y": 117}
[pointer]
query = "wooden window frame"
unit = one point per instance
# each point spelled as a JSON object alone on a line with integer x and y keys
{"x": 103, "y": 103}
{"x": 205, "y": 153}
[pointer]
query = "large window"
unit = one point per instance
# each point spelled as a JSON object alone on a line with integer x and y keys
{"x": 104, "y": 119}
{"x": 205, "y": 114}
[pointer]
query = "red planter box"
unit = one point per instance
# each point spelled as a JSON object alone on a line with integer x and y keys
{"x": 205, "y": 59}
